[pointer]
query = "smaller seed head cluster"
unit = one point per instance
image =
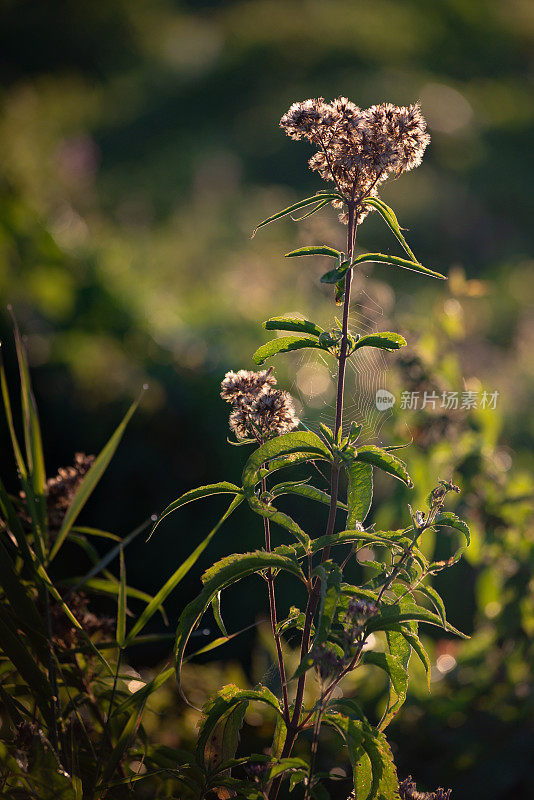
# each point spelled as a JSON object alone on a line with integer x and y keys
{"x": 259, "y": 410}
{"x": 408, "y": 791}
{"x": 358, "y": 149}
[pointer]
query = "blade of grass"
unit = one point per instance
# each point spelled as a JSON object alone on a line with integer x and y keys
{"x": 121, "y": 602}
{"x": 91, "y": 479}
{"x": 108, "y": 558}
{"x": 177, "y": 576}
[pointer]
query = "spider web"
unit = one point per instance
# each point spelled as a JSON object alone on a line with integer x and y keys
{"x": 314, "y": 384}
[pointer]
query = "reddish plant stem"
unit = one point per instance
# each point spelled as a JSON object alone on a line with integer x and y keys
{"x": 272, "y": 612}
{"x": 314, "y": 592}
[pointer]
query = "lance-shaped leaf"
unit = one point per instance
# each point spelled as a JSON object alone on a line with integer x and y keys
{"x": 330, "y": 575}
{"x": 391, "y": 539}
{"x": 303, "y": 490}
{"x": 32, "y": 431}
{"x": 196, "y": 494}
{"x": 377, "y": 457}
{"x": 91, "y": 480}
{"x": 14, "y": 648}
{"x": 224, "y": 573}
{"x": 322, "y": 199}
{"x": 217, "y": 710}
{"x": 298, "y": 444}
{"x": 436, "y": 600}
{"x": 159, "y": 598}
{"x": 359, "y": 492}
{"x": 284, "y": 344}
{"x": 384, "y": 341}
{"x": 293, "y": 324}
{"x": 317, "y": 250}
{"x": 22, "y": 605}
{"x": 398, "y": 678}
{"x": 391, "y": 615}
{"x": 279, "y": 452}
{"x": 450, "y": 520}
{"x": 390, "y": 218}
{"x": 409, "y": 632}
{"x": 335, "y": 275}
{"x": 374, "y": 774}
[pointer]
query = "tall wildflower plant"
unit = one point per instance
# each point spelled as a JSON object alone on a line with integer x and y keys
{"x": 356, "y": 151}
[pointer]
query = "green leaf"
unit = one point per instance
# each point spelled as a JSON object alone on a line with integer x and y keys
{"x": 436, "y": 600}
{"x": 335, "y": 275}
{"x": 293, "y": 324}
{"x": 178, "y": 574}
{"x": 330, "y": 574}
{"x": 224, "y": 573}
{"x": 319, "y": 250}
{"x": 370, "y": 454}
{"x": 284, "y": 344}
{"x": 91, "y": 480}
{"x": 413, "y": 640}
{"x": 398, "y": 677}
{"x": 359, "y": 492}
{"x": 124, "y": 741}
{"x": 322, "y": 198}
{"x": 32, "y": 430}
{"x": 390, "y": 218}
{"x": 196, "y": 494}
{"x": 274, "y": 452}
{"x": 21, "y": 466}
{"x": 121, "y": 602}
{"x": 375, "y": 776}
{"x": 302, "y": 444}
{"x": 450, "y": 520}
{"x": 22, "y": 606}
{"x": 216, "y": 609}
{"x": 219, "y": 709}
{"x": 14, "y": 524}
{"x": 303, "y": 490}
{"x": 14, "y": 648}
{"x": 384, "y": 341}
{"x": 387, "y": 539}
{"x": 391, "y": 615}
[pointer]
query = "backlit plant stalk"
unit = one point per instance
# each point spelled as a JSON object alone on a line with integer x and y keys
{"x": 356, "y": 150}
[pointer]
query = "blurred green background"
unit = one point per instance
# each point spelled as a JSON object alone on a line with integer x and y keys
{"x": 140, "y": 146}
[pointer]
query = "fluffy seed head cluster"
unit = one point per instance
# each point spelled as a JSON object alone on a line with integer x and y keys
{"x": 408, "y": 791}
{"x": 61, "y": 489}
{"x": 358, "y": 149}
{"x": 259, "y": 410}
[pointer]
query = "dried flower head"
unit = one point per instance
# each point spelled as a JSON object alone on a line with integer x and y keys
{"x": 408, "y": 791}
{"x": 61, "y": 489}
{"x": 358, "y": 149}
{"x": 243, "y": 386}
{"x": 64, "y": 634}
{"x": 60, "y": 492}
{"x": 271, "y": 413}
{"x": 259, "y": 411}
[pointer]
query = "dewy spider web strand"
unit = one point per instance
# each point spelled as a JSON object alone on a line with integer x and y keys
{"x": 366, "y": 374}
